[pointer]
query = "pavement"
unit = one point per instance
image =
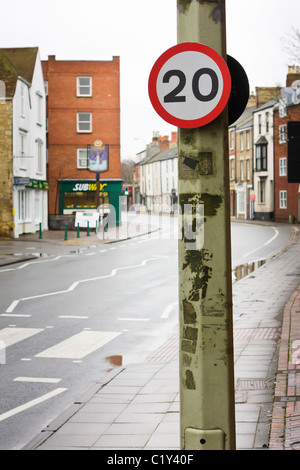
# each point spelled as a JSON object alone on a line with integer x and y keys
{"x": 137, "y": 406}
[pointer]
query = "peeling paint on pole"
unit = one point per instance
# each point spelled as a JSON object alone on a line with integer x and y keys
{"x": 205, "y": 290}
{"x": 217, "y": 14}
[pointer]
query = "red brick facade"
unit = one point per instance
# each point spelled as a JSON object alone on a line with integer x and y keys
{"x": 62, "y": 109}
{"x": 286, "y": 206}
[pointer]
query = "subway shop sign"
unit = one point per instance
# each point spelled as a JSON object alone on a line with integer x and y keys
{"x": 89, "y": 187}
{"x": 80, "y": 195}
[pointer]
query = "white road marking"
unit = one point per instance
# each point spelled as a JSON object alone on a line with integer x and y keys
{"x": 24, "y": 265}
{"x": 80, "y": 345}
{"x": 44, "y": 380}
{"x": 32, "y": 403}
{"x": 12, "y": 306}
{"x": 134, "y": 319}
{"x": 76, "y": 283}
{"x": 265, "y": 244}
{"x": 73, "y": 316}
{"x": 11, "y": 336}
{"x": 14, "y": 315}
{"x": 273, "y": 238}
{"x": 168, "y": 310}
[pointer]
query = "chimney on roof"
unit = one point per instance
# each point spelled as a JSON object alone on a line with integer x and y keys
{"x": 265, "y": 94}
{"x": 293, "y": 74}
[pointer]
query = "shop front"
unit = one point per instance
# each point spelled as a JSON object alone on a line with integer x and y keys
{"x": 30, "y": 205}
{"x": 80, "y": 196}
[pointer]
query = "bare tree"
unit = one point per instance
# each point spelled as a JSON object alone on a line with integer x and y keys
{"x": 127, "y": 170}
{"x": 291, "y": 45}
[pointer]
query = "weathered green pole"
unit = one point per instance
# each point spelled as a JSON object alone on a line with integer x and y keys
{"x": 66, "y": 231}
{"x": 205, "y": 284}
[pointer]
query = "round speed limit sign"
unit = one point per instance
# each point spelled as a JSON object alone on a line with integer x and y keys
{"x": 189, "y": 85}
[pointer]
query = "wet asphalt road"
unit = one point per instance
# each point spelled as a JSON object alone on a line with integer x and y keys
{"x": 66, "y": 320}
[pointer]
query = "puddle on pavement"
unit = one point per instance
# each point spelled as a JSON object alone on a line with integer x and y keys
{"x": 244, "y": 269}
{"x": 114, "y": 361}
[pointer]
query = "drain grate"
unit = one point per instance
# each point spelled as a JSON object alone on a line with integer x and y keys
{"x": 256, "y": 333}
{"x": 252, "y": 384}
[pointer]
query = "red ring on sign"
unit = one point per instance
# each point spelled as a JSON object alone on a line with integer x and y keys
{"x": 152, "y": 85}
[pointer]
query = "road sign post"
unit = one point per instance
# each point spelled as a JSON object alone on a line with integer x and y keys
{"x": 190, "y": 86}
{"x": 205, "y": 284}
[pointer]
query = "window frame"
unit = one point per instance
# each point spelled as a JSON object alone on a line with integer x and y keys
{"x": 282, "y": 166}
{"x": 23, "y": 142}
{"x": 282, "y": 134}
{"x": 85, "y": 131}
{"x": 259, "y": 157}
{"x": 79, "y": 158}
{"x": 242, "y": 172}
{"x": 78, "y": 86}
{"x": 232, "y": 139}
{"x": 248, "y": 140}
{"x": 248, "y": 175}
{"x": 283, "y": 199}
{"x": 39, "y": 158}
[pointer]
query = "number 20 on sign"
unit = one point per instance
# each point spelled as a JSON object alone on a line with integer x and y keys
{"x": 189, "y": 85}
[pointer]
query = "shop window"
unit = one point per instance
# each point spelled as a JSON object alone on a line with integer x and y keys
{"x": 24, "y": 208}
{"x": 83, "y": 199}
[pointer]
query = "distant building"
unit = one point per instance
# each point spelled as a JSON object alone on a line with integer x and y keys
{"x": 286, "y": 194}
{"x": 241, "y": 165}
{"x": 23, "y": 179}
{"x": 83, "y": 107}
{"x": 263, "y": 128}
{"x": 158, "y": 174}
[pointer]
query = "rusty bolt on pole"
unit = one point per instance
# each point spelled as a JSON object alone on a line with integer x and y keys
{"x": 207, "y": 417}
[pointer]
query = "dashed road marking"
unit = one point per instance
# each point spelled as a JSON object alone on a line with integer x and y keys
{"x": 32, "y": 403}
{"x": 45, "y": 380}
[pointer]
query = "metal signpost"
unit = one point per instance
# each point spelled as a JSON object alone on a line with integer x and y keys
{"x": 98, "y": 161}
{"x": 189, "y": 86}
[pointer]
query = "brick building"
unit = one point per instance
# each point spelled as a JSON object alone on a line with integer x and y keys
{"x": 286, "y": 194}
{"x": 83, "y": 107}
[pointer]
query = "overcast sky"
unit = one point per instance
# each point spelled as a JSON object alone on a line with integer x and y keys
{"x": 139, "y": 31}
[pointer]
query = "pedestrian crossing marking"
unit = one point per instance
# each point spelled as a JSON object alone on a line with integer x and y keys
{"x": 79, "y": 345}
{"x": 11, "y": 336}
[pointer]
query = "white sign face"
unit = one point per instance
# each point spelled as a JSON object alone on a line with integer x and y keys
{"x": 189, "y": 85}
{"x": 83, "y": 218}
